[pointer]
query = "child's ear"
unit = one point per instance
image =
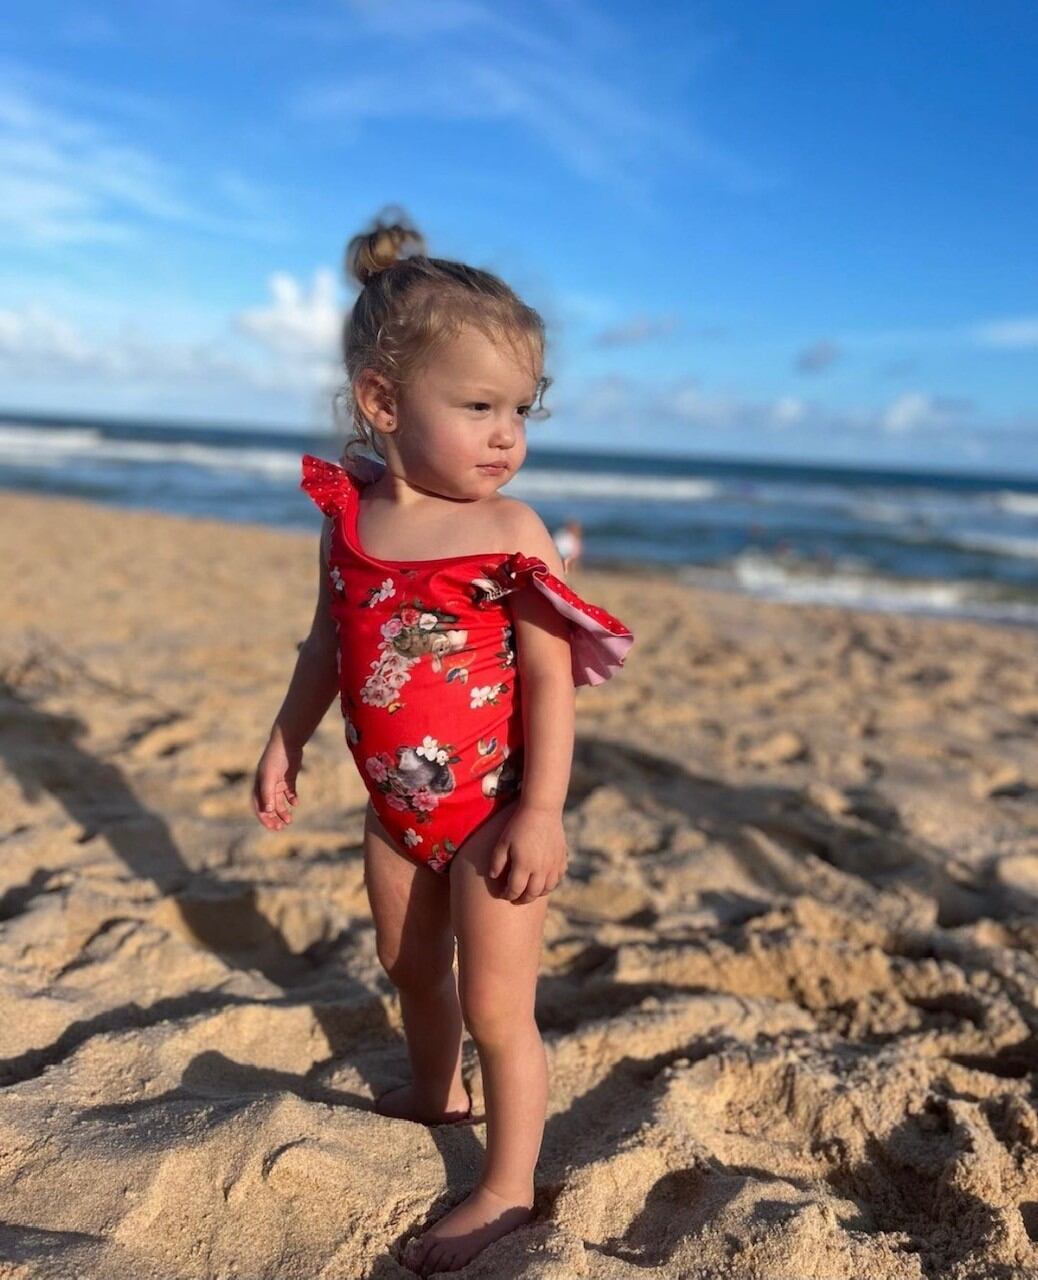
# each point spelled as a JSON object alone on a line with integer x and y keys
{"x": 376, "y": 399}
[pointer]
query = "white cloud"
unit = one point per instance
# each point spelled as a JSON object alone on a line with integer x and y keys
{"x": 684, "y": 407}
{"x": 297, "y": 323}
{"x": 916, "y": 411}
{"x": 1016, "y": 332}
{"x": 787, "y": 410}
{"x": 626, "y": 402}
{"x": 906, "y": 412}
{"x": 687, "y": 402}
{"x": 1021, "y": 332}
{"x": 38, "y": 345}
{"x": 34, "y": 340}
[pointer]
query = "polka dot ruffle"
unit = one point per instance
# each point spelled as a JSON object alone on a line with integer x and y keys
{"x": 327, "y": 483}
{"x": 517, "y": 566}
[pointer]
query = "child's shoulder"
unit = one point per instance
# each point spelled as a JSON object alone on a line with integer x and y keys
{"x": 520, "y": 528}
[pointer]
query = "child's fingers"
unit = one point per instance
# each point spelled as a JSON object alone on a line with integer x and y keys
{"x": 266, "y": 794}
{"x": 265, "y": 801}
{"x": 258, "y": 802}
{"x": 281, "y": 807}
{"x": 498, "y": 859}
{"x": 517, "y": 882}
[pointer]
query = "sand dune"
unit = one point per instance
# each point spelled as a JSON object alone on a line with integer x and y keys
{"x": 788, "y": 989}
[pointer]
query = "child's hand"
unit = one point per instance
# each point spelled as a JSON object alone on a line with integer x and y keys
{"x": 533, "y": 848}
{"x": 274, "y": 788}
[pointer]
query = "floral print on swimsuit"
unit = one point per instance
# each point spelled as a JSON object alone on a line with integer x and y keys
{"x": 429, "y": 675}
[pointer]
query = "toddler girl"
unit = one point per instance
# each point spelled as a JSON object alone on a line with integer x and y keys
{"x": 444, "y": 626}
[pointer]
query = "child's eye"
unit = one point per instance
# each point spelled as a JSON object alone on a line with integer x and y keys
{"x": 480, "y": 405}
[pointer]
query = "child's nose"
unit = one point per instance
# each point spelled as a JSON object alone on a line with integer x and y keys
{"x": 503, "y": 434}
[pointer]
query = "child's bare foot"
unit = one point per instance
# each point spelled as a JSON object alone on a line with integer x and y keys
{"x": 402, "y": 1105}
{"x": 470, "y": 1226}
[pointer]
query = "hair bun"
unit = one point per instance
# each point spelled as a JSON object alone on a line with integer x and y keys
{"x": 370, "y": 252}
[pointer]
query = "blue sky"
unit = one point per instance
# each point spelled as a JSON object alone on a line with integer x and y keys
{"x": 792, "y": 230}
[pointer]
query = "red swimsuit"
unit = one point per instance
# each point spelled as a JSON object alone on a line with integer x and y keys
{"x": 428, "y": 682}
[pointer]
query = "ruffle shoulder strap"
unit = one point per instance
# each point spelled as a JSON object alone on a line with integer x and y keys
{"x": 598, "y": 641}
{"x": 327, "y": 483}
{"x": 330, "y": 484}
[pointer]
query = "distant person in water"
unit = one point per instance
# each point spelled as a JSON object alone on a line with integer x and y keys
{"x": 569, "y": 544}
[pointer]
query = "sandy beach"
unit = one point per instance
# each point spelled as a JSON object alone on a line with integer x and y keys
{"x": 789, "y": 991}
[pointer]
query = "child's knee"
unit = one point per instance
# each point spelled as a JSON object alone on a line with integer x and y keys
{"x": 494, "y": 1016}
{"x": 414, "y": 964}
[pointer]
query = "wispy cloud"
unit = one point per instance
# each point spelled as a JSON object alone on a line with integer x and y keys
{"x": 1010, "y": 333}
{"x": 1018, "y": 333}
{"x": 916, "y": 410}
{"x": 787, "y": 410}
{"x": 70, "y": 177}
{"x": 556, "y": 72}
{"x": 685, "y": 404}
{"x": 35, "y": 342}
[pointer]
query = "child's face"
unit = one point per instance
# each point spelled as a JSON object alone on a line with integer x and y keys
{"x": 464, "y": 408}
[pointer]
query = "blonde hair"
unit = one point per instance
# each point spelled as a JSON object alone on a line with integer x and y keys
{"x": 409, "y": 304}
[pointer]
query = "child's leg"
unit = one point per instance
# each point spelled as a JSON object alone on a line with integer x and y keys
{"x": 499, "y": 945}
{"x": 410, "y": 906}
{"x": 499, "y": 951}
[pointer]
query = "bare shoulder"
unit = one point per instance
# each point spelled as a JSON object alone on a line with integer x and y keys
{"x": 522, "y": 529}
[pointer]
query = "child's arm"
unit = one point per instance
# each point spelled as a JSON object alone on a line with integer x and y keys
{"x": 533, "y": 846}
{"x": 313, "y": 685}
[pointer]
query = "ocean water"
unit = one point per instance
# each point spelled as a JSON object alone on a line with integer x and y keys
{"x": 913, "y": 541}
